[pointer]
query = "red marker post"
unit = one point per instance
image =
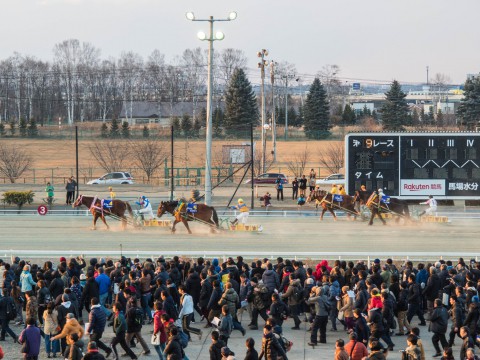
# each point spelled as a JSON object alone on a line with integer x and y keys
{"x": 42, "y": 210}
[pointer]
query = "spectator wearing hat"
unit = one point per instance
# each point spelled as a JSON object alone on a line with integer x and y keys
{"x": 355, "y": 349}
{"x": 92, "y": 352}
{"x": 71, "y": 327}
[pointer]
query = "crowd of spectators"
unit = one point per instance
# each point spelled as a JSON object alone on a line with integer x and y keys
{"x": 372, "y": 303}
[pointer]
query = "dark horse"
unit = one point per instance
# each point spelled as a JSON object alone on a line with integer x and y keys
{"x": 395, "y": 206}
{"x": 94, "y": 205}
{"x": 325, "y": 199}
{"x": 205, "y": 214}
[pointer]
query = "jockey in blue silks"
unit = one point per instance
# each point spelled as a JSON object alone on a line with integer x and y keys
{"x": 146, "y": 210}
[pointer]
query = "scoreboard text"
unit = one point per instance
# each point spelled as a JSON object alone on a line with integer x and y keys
{"x": 413, "y": 165}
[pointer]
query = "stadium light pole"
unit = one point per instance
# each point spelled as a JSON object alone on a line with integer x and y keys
{"x": 261, "y": 66}
{"x": 210, "y": 38}
{"x": 287, "y": 77}
{"x": 273, "y": 64}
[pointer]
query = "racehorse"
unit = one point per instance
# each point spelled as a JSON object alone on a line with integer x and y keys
{"x": 94, "y": 205}
{"x": 327, "y": 202}
{"x": 395, "y": 206}
{"x": 205, "y": 214}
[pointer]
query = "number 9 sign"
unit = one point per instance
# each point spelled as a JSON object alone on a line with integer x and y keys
{"x": 42, "y": 210}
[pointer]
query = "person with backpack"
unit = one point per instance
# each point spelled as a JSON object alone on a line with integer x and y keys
{"x": 322, "y": 308}
{"x": 134, "y": 318}
{"x": 173, "y": 349}
{"x": 271, "y": 347}
{"x": 119, "y": 329}
{"x": 7, "y": 314}
{"x": 278, "y": 309}
{"x": 412, "y": 352}
{"x": 294, "y": 294}
{"x": 355, "y": 349}
{"x": 257, "y": 298}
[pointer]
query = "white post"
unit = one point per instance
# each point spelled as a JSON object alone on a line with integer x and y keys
{"x": 208, "y": 155}
{"x": 264, "y": 140}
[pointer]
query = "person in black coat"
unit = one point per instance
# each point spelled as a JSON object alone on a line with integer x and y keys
{"x": 214, "y": 309}
{"x": 431, "y": 289}
{"x": 89, "y": 291}
{"x": 414, "y": 300}
{"x": 5, "y": 302}
{"x": 173, "y": 349}
{"x": 251, "y": 354}
{"x": 473, "y": 316}
{"x": 193, "y": 286}
{"x": 438, "y": 326}
{"x": 378, "y": 330}
{"x": 169, "y": 305}
{"x": 361, "y": 328}
{"x": 467, "y": 342}
{"x": 215, "y": 349}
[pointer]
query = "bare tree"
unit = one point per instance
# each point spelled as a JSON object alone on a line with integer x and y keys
{"x": 13, "y": 162}
{"x": 299, "y": 162}
{"x": 333, "y": 157}
{"x": 257, "y": 162}
{"x": 111, "y": 155}
{"x": 229, "y": 60}
{"x": 149, "y": 156}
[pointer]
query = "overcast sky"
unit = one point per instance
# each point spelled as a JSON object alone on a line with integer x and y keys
{"x": 370, "y": 39}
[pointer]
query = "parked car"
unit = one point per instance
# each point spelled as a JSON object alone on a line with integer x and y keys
{"x": 113, "y": 178}
{"x": 268, "y": 178}
{"x": 338, "y": 179}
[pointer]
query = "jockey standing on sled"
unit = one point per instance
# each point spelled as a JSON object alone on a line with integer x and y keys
{"x": 362, "y": 194}
{"x": 191, "y": 205}
{"x": 146, "y": 211}
{"x": 384, "y": 199}
{"x": 112, "y": 193}
{"x": 334, "y": 189}
{"x": 341, "y": 190}
{"x": 243, "y": 216}
{"x": 433, "y": 206}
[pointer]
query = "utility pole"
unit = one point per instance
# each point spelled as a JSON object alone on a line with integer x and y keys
{"x": 261, "y": 65}
{"x": 427, "y": 75}
{"x": 286, "y": 77}
{"x": 274, "y": 121}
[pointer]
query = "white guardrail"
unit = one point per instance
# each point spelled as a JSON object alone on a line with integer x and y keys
{"x": 460, "y": 214}
{"x": 153, "y": 254}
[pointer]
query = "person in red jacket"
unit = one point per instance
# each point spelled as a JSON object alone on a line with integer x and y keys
{"x": 159, "y": 329}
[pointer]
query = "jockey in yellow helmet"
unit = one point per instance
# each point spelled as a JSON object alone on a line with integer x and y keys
{"x": 243, "y": 215}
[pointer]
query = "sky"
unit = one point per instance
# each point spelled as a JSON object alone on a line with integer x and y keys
{"x": 377, "y": 40}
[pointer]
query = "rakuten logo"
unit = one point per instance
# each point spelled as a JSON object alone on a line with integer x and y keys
{"x": 422, "y": 187}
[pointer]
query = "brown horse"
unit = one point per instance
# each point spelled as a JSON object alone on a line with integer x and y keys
{"x": 326, "y": 201}
{"x": 205, "y": 214}
{"x": 394, "y": 206}
{"x": 94, "y": 205}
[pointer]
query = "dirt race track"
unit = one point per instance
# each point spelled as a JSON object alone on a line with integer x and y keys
{"x": 280, "y": 235}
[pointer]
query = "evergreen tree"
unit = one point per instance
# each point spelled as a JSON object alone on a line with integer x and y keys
{"x": 395, "y": 108}
{"x": 32, "y": 128}
{"x": 240, "y": 104}
{"x": 469, "y": 109}
{"x": 22, "y": 127}
{"x": 280, "y": 115}
{"x": 415, "y": 117}
{"x": 348, "y": 115}
{"x": 203, "y": 117}
{"x": 176, "y": 125}
{"x": 300, "y": 118}
{"x": 114, "y": 128}
{"x": 2, "y": 130}
{"x": 431, "y": 116}
{"x": 125, "y": 130}
{"x": 316, "y": 112}
{"x": 423, "y": 117}
{"x": 217, "y": 122}
{"x": 104, "y": 131}
{"x": 146, "y": 132}
{"x": 374, "y": 114}
{"x": 197, "y": 126}
{"x": 12, "y": 128}
{"x": 187, "y": 125}
{"x": 292, "y": 117}
{"x": 440, "y": 119}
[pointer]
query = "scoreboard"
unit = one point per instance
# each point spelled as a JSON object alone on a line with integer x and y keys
{"x": 414, "y": 165}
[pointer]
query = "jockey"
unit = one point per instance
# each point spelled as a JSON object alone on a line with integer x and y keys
{"x": 146, "y": 211}
{"x": 384, "y": 199}
{"x": 334, "y": 189}
{"x": 432, "y": 206}
{"x": 112, "y": 193}
{"x": 243, "y": 216}
{"x": 341, "y": 190}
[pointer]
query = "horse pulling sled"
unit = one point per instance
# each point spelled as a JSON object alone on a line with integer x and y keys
{"x": 379, "y": 205}
{"x": 332, "y": 202}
